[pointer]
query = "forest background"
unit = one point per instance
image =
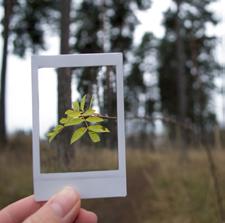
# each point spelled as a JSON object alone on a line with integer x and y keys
{"x": 174, "y": 97}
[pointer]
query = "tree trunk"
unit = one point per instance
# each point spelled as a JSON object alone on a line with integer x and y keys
{"x": 65, "y": 151}
{"x": 181, "y": 79}
{"x": 6, "y": 21}
{"x": 110, "y": 106}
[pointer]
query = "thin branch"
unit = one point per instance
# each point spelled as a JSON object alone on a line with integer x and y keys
{"x": 106, "y": 116}
{"x": 215, "y": 178}
{"x": 167, "y": 119}
{"x": 100, "y": 116}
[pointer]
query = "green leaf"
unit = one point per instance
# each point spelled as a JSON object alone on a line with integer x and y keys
{"x": 55, "y": 132}
{"x": 94, "y": 136}
{"x": 98, "y": 128}
{"x": 58, "y": 128}
{"x": 52, "y": 136}
{"x": 75, "y": 121}
{"x": 76, "y": 106}
{"x": 91, "y": 102}
{"x": 90, "y": 111}
{"x": 78, "y": 134}
{"x": 72, "y": 114}
{"x": 69, "y": 112}
{"x": 63, "y": 120}
{"x": 95, "y": 119}
{"x": 82, "y": 104}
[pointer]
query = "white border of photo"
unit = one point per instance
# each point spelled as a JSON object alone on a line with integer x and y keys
{"x": 90, "y": 184}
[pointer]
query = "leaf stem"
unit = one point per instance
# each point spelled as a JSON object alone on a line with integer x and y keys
{"x": 86, "y": 123}
{"x": 101, "y": 116}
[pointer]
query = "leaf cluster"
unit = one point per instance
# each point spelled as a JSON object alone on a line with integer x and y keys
{"x": 86, "y": 118}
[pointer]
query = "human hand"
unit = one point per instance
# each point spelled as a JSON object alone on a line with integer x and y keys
{"x": 63, "y": 207}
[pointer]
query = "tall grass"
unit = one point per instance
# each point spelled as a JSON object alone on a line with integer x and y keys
{"x": 161, "y": 187}
{"x": 82, "y": 159}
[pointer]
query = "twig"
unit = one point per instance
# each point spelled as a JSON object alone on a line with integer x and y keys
{"x": 187, "y": 126}
{"x": 98, "y": 115}
{"x": 212, "y": 169}
{"x": 106, "y": 116}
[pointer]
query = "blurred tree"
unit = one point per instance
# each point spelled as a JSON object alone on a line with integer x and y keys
{"x": 64, "y": 86}
{"x": 138, "y": 82}
{"x": 6, "y": 21}
{"x": 180, "y": 78}
{"x": 31, "y": 22}
{"x": 23, "y": 29}
{"x": 186, "y": 64}
{"x": 106, "y": 26}
{"x": 141, "y": 88}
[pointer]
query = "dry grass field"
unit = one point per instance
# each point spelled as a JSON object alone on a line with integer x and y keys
{"x": 79, "y": 161}
{"x": 161, "y": 187}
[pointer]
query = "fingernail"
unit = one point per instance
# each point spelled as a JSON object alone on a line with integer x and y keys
{"x": 64, "y": 201}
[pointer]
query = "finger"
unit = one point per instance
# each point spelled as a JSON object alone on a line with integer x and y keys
{"x": 20, "y": 210}
{"x": 61, "y": 208}
{"x": 86, "y": 217}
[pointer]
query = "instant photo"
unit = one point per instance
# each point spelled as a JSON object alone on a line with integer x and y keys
{"x": 78, "y": 130}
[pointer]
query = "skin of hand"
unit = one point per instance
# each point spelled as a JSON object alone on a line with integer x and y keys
{"x": 63, "y": 207}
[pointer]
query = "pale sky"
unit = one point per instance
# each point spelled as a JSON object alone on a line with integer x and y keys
{"x": 19, "y": 109}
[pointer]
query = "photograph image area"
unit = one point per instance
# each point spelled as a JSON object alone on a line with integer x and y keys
{"x": 78, "y": 119}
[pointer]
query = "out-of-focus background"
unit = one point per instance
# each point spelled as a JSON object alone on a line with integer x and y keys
{"x": 174, "y": 82}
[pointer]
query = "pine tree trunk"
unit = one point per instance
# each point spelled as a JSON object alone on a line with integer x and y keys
{"x": 181, "y": 79}
{"x": 65, "y": 151}
{"x": 111, "y": 106}
{"x": 6, "y": 21}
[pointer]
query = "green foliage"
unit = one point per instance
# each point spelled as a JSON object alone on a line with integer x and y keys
{"x": 95, "y": 119}
{"x": 94, "y": 136}
{"x": 97, "y": 128}
{"x": 82, "y": 104}
{"x": 55, "y": 132}
{"x": 77, "y": 116}
{"x": 78, "y": 134}
{"x": 76, "y": 106}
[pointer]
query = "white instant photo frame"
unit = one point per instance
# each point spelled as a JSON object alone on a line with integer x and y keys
{"x": 91, "y": 184}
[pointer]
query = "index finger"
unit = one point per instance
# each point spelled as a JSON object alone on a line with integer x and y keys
{"x": 20, "y": 210}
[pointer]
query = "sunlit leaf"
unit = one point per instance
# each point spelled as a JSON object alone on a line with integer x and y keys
{"x": 98, "y": 128}
{"x": 52, "y": 136}
{"x": 95, "y": 119}
{"x": 72, "y": 114}
{"x": 82, "y": 104}
{"x": 75, "y": 121}
{"x": 78, "y": 134}
{"x": 78, "y": 115}
{"x": 94, "y": 136}
{"x": 76, "y": 106}
{"x": 69, "y": 112}
{"x": 90, "y": 111}
{"x": 75, "y": 114}
{"x": 63, "y": 120}
{"x": 91, "y": 102}
{"x": 55, "y": 132}
{"x": 58, "y": 128}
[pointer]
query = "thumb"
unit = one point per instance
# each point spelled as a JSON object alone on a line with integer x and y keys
{"x": 63, "y": 207}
